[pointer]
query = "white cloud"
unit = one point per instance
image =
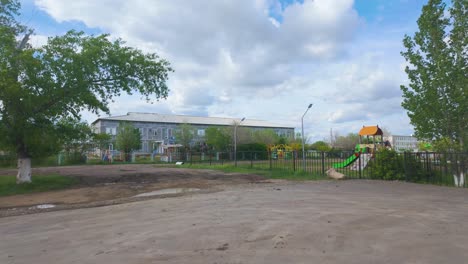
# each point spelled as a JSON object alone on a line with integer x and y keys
{"x": 38, "y": 40}
{"x": 258, "y": 59}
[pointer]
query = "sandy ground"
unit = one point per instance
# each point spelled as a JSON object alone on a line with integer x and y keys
{"x": 278, "y": 222}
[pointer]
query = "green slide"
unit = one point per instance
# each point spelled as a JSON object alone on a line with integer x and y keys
{"x": 347, "y": 162}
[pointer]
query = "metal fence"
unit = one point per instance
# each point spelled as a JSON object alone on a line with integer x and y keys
{"x": 422, "y": 167}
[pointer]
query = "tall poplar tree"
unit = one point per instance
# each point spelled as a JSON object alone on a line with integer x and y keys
{"x": 436, "y": 97}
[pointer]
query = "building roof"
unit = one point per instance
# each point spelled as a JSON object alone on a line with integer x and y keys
{"x": 370, "y": 131}
{"x": 194, "y": 120}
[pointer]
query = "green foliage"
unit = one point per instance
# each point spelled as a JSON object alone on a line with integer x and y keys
{"x": 8, "y": 160}
{"x": 76, "y": 140}
{"x": 184, "y": 135}
{"x": 266, "y": 136}
{"x": 218, "y": 138}
{"x": 446, "y": 145}
{"x": 390, "y": 165}
{"x": 282, "y": 140}
{"x": 253, "y": 147}
{"x": 101, "y": 140}
{"x": 387, "y": 165}
{"x": 8, "y": 184}
{"x": 437, "y": 56}
{"x": 256, "y": 151}
{"x": 425, "y": 146}
{"x": 346, "y": 142}
{"x": 43, "y": 88}
{"x": 320, "y": 146}
{"x": 128, "y": 139}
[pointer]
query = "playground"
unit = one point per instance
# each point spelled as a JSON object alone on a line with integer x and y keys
{"x": 142, "y": 213}
{"x": 252, "y": 221}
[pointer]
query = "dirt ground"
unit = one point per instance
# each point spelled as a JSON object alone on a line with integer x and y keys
{"x": 104, "y": 185}
{"x": 248, "y": 220}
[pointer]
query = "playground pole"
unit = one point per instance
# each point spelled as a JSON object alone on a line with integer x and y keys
{"x": 302, "y": 135}
{"x": 235, "y": 141}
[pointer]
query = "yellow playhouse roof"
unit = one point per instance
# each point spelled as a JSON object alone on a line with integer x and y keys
{"x": 370, "y": 131}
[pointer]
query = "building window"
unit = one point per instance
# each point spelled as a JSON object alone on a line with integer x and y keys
{"x": 201, "y": 132}
{"x": 111, "y": 130}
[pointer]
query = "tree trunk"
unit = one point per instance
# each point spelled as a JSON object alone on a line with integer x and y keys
{"x": 24, "y": 170}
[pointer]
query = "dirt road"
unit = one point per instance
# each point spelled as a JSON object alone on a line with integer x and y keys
{"x": 281, "y": 222}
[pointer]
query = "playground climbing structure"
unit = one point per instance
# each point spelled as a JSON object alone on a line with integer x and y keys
{"x": 370, "y": 139}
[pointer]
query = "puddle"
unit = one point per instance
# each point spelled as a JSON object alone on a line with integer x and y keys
{"x": 167, "y": 191}
{"x": 43, "y": 206}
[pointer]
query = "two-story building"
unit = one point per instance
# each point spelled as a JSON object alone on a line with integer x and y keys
{"x": 403, "y": 143}
{"x": 158, "y": 130}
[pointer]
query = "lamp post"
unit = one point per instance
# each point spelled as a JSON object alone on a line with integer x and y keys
{"x": 303, "y": 149}
{"x": 235, "y": 141}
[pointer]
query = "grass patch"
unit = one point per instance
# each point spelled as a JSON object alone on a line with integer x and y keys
{"x": 44, "y": 183}
{"x": 267, "y": 173}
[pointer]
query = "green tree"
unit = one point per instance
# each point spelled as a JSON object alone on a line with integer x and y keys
{"x": 184, "y": 135}
{"x": 436, "y": 96}
{"x": 101, "y": 140}
{"x": 320, "y": 146}
{"x": 128, "y": 139}
{"x": 266, "y": 136}
{"x": 41, "y": 86}
{"x": 76, "y": 139}
{"x": 245, "y": 135}
{"x": 218, "y": 138}
{"x": 425, "y": 146}
{"x": 346, "y": 142}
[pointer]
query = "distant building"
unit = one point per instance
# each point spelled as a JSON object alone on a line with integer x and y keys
{"x": 403, "y": 143}
{"x": 158, "y": 130}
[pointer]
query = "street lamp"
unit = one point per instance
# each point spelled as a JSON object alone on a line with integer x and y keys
{"x": 235, "y": 140}
{"x": 303, "y": 149}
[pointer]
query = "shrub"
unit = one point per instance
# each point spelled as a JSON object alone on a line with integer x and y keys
{"x": 387, "y": 165}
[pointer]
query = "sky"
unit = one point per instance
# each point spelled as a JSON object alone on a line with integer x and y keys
{"x": 258, "y": 59}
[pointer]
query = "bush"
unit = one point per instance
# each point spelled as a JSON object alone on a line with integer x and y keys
{"x": 260, "y": 147}
{"x": 74, "y": 158}
{"x": 255, "y": 151}
{"x": 8, "y": 160}
{"x": 387, "y": 165}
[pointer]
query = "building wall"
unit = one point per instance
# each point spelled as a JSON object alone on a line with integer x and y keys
{"x": 153, "y": 133}
{"x": 403, "y": 143}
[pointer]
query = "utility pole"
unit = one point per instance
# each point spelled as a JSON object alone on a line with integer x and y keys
{"x": 303, "y": 148}
{"x": 235, "y": 141}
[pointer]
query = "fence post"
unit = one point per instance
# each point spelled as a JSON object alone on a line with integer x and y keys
{"x": 323, "y": 163}
{"x": 405, "y": 166}
{"x": 191, "y": 157}
{"x": 428, "y": 166}
{"x": 269, "y": 155}
{"x": 211, "y": 156}
{"x": 251, "y": 159}
{"x": 294, "y": 160}
{"x": 360, "y": 167}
